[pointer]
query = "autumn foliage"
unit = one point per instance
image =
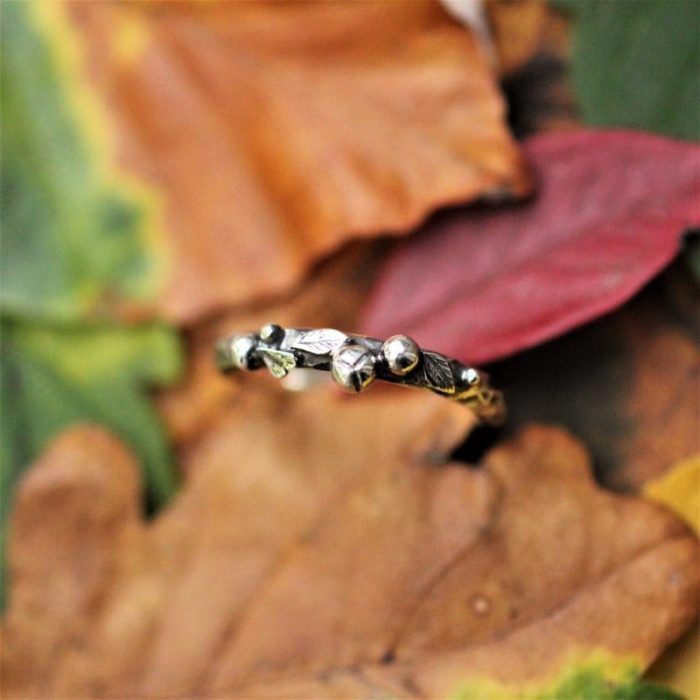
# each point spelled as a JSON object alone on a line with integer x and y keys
{"x": 176, "y": 172}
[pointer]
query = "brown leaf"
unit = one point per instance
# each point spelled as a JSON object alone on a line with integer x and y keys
{"x": 311, "y": 561}
{"x": 624, "y": 384}
{"x": 519, "y": 29}
{"x": 275, "y": 132}
{"x": 532, "y": 44}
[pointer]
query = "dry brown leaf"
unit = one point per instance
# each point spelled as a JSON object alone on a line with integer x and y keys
{"x": 623, "y": 383}
{"x": 324, "y": 546}
{"x": 663, "y": 420}
{"x": 522, "y": 30}
{"x": 533, "y": 45}
{"x": 518, "y": 29}
{"x": 274, "y": 132}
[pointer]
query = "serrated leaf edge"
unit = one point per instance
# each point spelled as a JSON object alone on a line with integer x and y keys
{"x": 279, "y": 362}
{"x": 437, "y": 373}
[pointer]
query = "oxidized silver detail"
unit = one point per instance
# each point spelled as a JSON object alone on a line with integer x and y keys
{"x": 271, "y": 333}
{"x": 437, "y": 373}
{"x": 355, "y": 361}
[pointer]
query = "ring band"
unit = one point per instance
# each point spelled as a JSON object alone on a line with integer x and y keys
{"x": 355, "y": 361}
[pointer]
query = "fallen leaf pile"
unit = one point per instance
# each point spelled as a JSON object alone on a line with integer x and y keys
{"x": 334, "y": 563}
{"x": 176, "y": 172}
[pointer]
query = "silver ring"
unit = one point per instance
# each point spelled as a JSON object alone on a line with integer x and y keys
{"x": 356, "y": 361}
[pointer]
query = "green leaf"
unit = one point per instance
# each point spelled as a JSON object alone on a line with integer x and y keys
{"x": 55, "y": 378}
{"x": 636, "y": 64}
{"x": 76, "y": 237}
{"x": 599, "y": 677}
{"x": 79, "y": 239}
{"x": 76, "y": 233}
{"x": 589, "y": 684}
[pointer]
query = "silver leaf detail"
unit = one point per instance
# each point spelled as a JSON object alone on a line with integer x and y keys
{"x": 279, "y": 362}
{"x": 320, "y": 341}
{"x": 437, "y": 372}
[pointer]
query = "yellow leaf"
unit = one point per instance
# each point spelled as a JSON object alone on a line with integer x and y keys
{"x": 679, "y": 489}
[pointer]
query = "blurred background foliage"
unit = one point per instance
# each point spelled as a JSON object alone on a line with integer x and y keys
{"x": 77, "y": 242}
{"x": 635, "y": 64}
{"x": 80, "y": 243}
{"x": 81, "y": 249}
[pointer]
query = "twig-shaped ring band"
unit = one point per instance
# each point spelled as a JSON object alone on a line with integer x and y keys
{"x": 355, "y": 361}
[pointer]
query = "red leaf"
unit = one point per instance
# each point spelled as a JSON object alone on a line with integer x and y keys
{"x": 481, "y": 284}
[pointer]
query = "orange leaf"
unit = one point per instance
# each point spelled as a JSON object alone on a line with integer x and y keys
{"x": 275, "y": 132}
{"x": 325, "y": 546}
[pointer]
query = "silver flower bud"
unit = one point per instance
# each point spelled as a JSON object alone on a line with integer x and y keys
{"x": 353, "y": 368}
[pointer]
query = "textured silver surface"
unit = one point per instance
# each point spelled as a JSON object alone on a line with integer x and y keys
{"x": 355, "y": 361}
{"x": 353, "y": 367}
